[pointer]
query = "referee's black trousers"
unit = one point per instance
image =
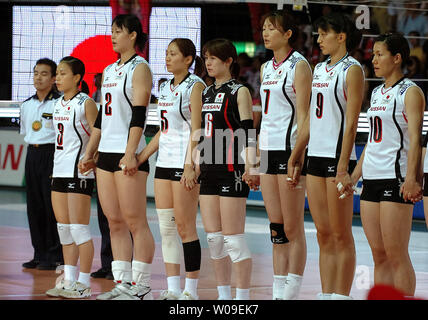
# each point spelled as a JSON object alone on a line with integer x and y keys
{"x": 41, "y": 218}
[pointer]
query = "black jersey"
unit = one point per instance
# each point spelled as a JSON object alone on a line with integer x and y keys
{"x": 221, "y": 144}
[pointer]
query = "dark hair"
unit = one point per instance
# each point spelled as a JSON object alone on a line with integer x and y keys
{"x": 132, "y": 23}
{"x": 77, "y": 67}
{"x": 188, "y": 49}
{"x": 49, "y": 63}
{"x": 285, "y": 21}
{"x": 339, "y": 22}
{"x": 396, "y": 43}
{"x": 223, "y": 49}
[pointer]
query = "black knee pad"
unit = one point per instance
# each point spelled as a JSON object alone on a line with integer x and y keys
{"x": 192, "y": 255}
{"x": 277, "y": 233}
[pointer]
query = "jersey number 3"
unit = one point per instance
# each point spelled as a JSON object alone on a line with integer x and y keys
{"x": 60, "y": 137}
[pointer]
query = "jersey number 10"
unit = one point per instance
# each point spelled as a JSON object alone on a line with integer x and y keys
{"x": 375, "y": 129}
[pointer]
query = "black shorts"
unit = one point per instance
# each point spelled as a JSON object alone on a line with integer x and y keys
{"x": 224, "y": 183}
{"x": 425, "y": 184}
{"x": 382, "y": 190}
{"x": 326, "y": 167}
{"x": 173, "y": 174}
{"x": 73, "y": 185}
{"x": 110, "y": 162}
{"x": 276, "y": 162}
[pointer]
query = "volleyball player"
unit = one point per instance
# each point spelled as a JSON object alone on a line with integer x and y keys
{"x": 337, "y": 92}
{"x": 285, "y": 92}
{"x": 176, "y": 188}
{"x": 225, "y": 150}
{"x": 73, "y": 117}
{"x": 118, "y": 136}
{"x": 390, "y": 164}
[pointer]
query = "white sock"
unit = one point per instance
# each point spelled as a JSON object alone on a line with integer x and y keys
{"x": 336, "y": 296}
{"x": 141, "y": 273}
{"x": 278, "y": 287}
{"x": 69, "y": 274}
{"x": 174, "y": 284}
{"x": 191, "y": 286}
{"x": 122, "y": 271}
{"x": 242, "y": 294}
{"x": 292, "y": 286}
{"x": 224, "y": 292}
{"x": 85, "y": 278}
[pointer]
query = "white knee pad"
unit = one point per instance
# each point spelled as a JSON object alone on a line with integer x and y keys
{"x": 81, "y": 233}
{"x": 216, "y": 245}
{"x": 65, "y": 237}
{"x": 171, "y": 246}
{"x": 236, "y": 246}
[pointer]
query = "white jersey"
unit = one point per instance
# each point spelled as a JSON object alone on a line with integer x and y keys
{"x": 328, "y": 108}
{"x": 116, "y": 104}
{"x": 174, "y": 112}
{"x": 278, "y": 129}
{"x": 388, "y": 141}
{"x": 72, "y": 135}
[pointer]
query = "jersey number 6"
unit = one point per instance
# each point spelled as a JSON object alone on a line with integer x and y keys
{"x": 208, "y": 125}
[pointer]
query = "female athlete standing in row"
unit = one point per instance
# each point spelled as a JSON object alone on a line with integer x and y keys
{"x": 225, "y": 152}
{"x": 176, "y": 188}
{"x": 118, "y": 136}
{"x": 390, "y": 165}
{"x": 337, "y": 93}
{"x": 73, "y": 117}
{"x": 285, "y": 92}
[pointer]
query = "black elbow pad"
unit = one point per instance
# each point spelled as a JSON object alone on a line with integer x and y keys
{"x": 138, "y": 116}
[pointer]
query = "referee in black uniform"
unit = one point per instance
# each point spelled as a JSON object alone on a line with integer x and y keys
{"x": 36, "y": 125}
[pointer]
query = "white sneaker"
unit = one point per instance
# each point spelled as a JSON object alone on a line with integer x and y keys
{"x": 292, "y": 287}
{"x": 115, "y": 292}
{"x": 78, "y": 290}
{"x": 185, "y": 295}
{"x": 136, "y": 292}
{"x": 324, "y": 296}
{"x": 57, "y": 290}
{"x": 168, "y": 295}
{"x": 336, "y": 296}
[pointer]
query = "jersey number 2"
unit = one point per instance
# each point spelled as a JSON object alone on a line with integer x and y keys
{"x": 107, "y": 108}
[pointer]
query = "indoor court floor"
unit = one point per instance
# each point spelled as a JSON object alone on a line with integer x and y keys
{"x": 17, "y": 283}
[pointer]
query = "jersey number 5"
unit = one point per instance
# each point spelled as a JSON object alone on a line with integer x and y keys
{"x": 107, "y": 108}
{"x": 375, "y": 129}
{"x": 164, "y": 122}
{"x": 60, "y": 137}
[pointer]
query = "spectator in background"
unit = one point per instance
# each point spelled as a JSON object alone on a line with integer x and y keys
{"x": 414, "y": 72}
{"x": 395, "y": 13}
{"x": 413, "y": 20}
{"x": 36, "y": 125}
{"x": 252, "y": 79}
{"x": 97, "y": 83}
{"x": 244, "y": 62}
{"x": 416, "y": 48}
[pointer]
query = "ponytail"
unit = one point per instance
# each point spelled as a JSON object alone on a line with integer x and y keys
{"x": 84, "y": 87}
{"x": 199, "y": 70}
{"x": 234, "y": 70}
